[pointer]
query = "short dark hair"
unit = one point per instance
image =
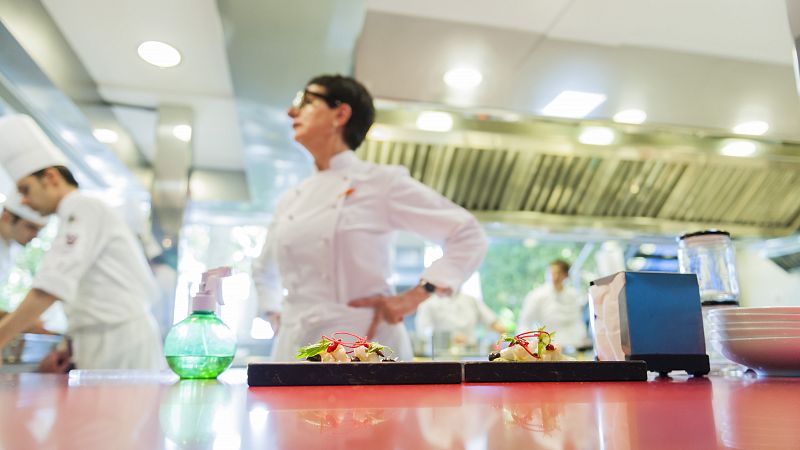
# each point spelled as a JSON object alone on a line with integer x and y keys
{"x": 563, "y": 265}
{"x": 63, "y": 171}
{"x": 349, "y": 90}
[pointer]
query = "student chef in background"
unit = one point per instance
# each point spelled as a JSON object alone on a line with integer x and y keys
{"x": 95, "y": 265}
{"x": 18, "y": 225}
{"x": 457, "y": 317}
{"x": 558, "y": 306}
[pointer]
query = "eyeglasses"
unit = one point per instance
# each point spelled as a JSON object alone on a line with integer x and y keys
{"x": 304, "y": 98}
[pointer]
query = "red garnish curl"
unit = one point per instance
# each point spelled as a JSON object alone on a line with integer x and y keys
{"x": 522, "y": 339}
{"x": 337, "y": 341}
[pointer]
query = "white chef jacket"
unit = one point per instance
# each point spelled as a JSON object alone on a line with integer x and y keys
{"x": 7, "y": 258}
{"x": 558, "y": 311}
{"x": 329, "y": 243}
{"x": 459, "y": 313}
{"x": 97, "y": 268}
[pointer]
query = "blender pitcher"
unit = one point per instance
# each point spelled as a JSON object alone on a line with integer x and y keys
{"x": 710, "y": 255}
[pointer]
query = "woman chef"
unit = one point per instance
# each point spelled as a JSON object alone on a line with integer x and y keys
{"x": 328, "y": 245}
{"x": 95, "y": 265}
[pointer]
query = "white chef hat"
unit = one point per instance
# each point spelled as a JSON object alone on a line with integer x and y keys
{"x": 25, "y": 148}
{"x": 14, "y": 205}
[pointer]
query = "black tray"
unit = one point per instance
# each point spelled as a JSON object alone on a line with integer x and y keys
{"x": 492, "y": 372}
{"x": 331, "y": 374}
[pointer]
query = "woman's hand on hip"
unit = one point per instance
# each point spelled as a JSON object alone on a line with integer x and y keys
{"x": 274, "y": 319}
{"x": 391, "y": 309}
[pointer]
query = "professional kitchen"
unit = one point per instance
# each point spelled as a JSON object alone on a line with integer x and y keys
{"x": 555, "y": 224}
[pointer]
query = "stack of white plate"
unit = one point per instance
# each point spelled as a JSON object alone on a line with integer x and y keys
{"x": 765, "y": 339}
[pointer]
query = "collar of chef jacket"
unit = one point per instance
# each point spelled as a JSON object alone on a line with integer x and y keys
{"x": 63, "y": 204}
{"x": 342, "y": 160}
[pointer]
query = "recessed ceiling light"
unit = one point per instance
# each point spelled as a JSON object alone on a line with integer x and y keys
{"x": 69, "y": 136}
{"x": 435, "y": 121}
{"x": 754, "y": 128}
{"x": 463, "y": 78}
{"x": 596, "y": 136}
{"x": 95, "y": 162}
{"x": 159, "y": 54}
{"x": 182, "y": 132}
{"x": 739, "y": 148}
{"x": 573, "y": 104}
{"x": 105, "y": 135}
{"x": 633, "y": 116}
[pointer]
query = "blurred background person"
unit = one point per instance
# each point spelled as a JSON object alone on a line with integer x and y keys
{"x": 453, "y": 322}
{"x": 18, "y": 226}
{"x": 558, "y": 306}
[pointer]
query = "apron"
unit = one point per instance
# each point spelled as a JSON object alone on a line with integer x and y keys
{"x": 315, "y": 305}
{"x": 133, "y": 344}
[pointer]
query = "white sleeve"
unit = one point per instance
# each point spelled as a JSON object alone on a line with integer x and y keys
{"x": 417, "y": 208}
{"x": 266, "y": 276}
{"x": 77, "y": 244}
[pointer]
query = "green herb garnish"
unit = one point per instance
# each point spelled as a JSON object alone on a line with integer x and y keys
{"x": 313, "y": 349}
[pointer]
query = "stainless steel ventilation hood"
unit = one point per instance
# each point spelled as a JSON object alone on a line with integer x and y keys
{"x": 651, "y": 180}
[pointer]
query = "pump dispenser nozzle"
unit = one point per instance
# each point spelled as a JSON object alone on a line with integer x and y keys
{"x": 210, "y": 293}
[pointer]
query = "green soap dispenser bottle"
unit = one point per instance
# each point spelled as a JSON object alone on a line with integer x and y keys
{"x": 202, "y": 346}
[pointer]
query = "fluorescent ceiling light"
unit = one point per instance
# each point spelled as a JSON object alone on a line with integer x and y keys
{"x": 573, "y": 104}
{"x": 3, "y": 197}
{"x": 463, "y": 78}
{"x": 739, "y": 148}
{"x": 633, "y": 116}
{"x": 378, "y": 133}
{"x": 596, "y": 136}
{"x": 105, "y": 135}
{"x": 435, "y": 121}
{"x": 754, "y": 128}
{"x": 182, "y": 132}
{"x": 159, "y": 54}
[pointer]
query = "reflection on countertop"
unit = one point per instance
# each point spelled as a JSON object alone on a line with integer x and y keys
{"x": 117, "y": 409}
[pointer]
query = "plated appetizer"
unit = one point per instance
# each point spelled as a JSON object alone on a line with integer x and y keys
{"x": 345, "y": 347}
{"x": 528, "y": 346}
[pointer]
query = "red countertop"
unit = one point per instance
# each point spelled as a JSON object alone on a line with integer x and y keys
{"x": 135, "y": 410}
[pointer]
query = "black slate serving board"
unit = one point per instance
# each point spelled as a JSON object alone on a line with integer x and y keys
{"x": 493, "y": 372}
{"x": 334, "y": 374}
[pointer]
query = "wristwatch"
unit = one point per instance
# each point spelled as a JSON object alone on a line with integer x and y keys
{"x": 428, "y": 286}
